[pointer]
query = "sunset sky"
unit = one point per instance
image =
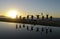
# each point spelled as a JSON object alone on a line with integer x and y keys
{"x": 24, "y": 7}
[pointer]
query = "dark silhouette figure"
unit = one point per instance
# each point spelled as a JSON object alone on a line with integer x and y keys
{"x": 27, "y": 28}
{"x": 37, "y": 29}
{"x": 24, "y": 18}
{"x": 23, "y": 25}
{"x": 47, "y": 16}
{"x": 27, "y": 16}
{"x": 37, "y": 16}
{"x": 42, "y": 29}
{"x": 16, "y": 26}
{"x": 32, "y": 17}
{"x": 19, "y": 17}
{"x": 46, "y": 31}
{"x": 31, "y": 28}
{"x": 19, "y": 26}
{"x": 50, "y": 30}
{"x": 50, "y": 18}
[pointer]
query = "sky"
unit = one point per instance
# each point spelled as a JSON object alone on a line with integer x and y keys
{"x": 32, "y": 7}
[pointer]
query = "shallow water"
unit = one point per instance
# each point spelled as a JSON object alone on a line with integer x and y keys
{"x": 28, "y": 31}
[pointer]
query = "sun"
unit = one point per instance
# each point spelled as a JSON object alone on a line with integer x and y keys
{"x": 12, "y": 13}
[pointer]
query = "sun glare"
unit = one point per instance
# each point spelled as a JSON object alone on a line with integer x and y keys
{"x": 12, "y": 14}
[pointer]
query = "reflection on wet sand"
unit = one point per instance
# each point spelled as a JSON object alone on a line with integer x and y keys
{"x": 24, "y": 25}
{"x": 37, "y": 29}
{"x": 50, "y": 30}
{"x": 34, "y": 28}
{"x": 27, "y": 28}
{"x": 16, "y": 26}
{"x": 42, "y": 29}
{"x": 19, "y": 26}
{"x": 31, "y": 28}
{"x": 46, "y": 31}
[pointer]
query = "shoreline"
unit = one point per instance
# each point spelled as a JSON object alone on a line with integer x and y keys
{"x": 34, "y": 22}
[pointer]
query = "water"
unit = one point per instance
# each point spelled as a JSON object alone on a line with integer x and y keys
{"x": 28, "y": 31}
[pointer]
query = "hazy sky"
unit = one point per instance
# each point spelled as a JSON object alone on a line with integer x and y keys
{"x": 51, "y": 7}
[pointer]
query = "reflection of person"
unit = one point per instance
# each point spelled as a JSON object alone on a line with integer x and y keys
{"x": 19, "y": 26}
{"x": 42, "y": 29}
{"x": 46, "y": 31}
{"x": 31, "y": 28}
{"x": 50, "y": 30}
{"x": 23, "y": 25}
{"x": 16, "y": 26}
{"x": 27, "y": 27}
{"x": 37, "y": 29}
